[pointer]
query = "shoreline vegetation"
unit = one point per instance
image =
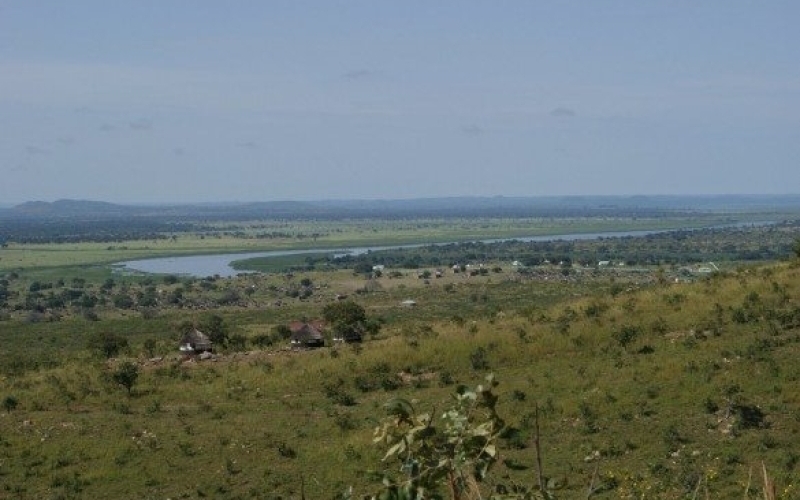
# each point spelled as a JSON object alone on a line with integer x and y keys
{"x": 658, "y": 366}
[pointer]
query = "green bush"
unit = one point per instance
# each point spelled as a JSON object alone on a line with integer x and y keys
{"x": 126, "y": 375}
{"x": 10, "y": 403}
{"x": 107, "y": 343}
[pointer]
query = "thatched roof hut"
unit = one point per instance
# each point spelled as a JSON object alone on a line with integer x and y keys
{"x": 195, "y": 341}
{"x": 307, "y": 335}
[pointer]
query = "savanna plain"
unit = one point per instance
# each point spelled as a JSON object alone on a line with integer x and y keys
{"x": 472, "y": 363}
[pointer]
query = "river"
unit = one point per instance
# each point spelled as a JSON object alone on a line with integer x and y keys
{"x": 220, "y": 264}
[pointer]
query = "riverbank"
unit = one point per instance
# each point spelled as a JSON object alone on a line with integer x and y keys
{"x": 231, "y": 264}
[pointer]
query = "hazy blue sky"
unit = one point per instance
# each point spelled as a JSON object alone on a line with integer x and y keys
{"x": 194, "y": 100}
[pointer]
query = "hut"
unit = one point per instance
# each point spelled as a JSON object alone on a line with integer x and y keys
{"x": 306, "y": 336}
{"x": 195, "y": 342}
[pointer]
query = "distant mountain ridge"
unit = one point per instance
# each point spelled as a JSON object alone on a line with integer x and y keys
{"x": 88, "y": 208}
{"x": 451, "y": 206}
{"x": 68, "y": 207}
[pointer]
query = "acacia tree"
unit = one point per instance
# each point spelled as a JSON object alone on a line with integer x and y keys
{"x": 126, "y": 375}
{"x": 348, "y": 320}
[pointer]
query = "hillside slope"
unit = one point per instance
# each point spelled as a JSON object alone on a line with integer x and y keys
{"x": 658, "y": 392}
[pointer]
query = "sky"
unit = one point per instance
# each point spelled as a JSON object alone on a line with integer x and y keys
{"x": 154, "y": 101}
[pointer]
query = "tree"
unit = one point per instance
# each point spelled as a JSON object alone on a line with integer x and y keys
{"x": 363, "y": 267}
{"x": 126, "y": 375}
{"x": 107, "y": 343}
{"x": 184, "y": 327}
{"x": 123, "y": 301}
{"x": 347, "y": 320}
{"x": 346, "y": 313}
{"x": 281, "y": 332}
{"x": 216, "y": 329}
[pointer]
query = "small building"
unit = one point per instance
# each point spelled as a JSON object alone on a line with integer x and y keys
{"x": 195, "y": 342}
{"x": 409, "y": 303}
{"x": 306, "y": 336}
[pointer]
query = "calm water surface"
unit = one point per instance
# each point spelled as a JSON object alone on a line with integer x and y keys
{"x": 220, "y": 264}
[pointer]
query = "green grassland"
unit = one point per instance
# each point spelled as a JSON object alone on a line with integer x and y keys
{"x": 657, "y": 387}
{"x": 650, "y": 382}
{"x": 276, "y": 235}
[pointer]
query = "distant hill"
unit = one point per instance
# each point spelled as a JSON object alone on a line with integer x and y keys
{"x": 69, "y": 207}
{"x": 422, "y": 207}
{"x": 101, "y": 209}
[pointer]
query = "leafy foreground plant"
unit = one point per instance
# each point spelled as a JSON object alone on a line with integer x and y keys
{"x": 456, "y": 455}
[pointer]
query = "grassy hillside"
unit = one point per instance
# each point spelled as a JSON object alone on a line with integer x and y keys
{"x": 658, "y": 391}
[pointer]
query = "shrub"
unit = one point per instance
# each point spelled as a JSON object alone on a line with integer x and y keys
{"x": 90, "y": 315}
{"x": 479, "y": 359}
{"x": 454, "y": 455}
{"x": 237, "y": 342}
{"x": 336, "y": 393}
{"x": 108, "y": 344}
{"x": 123, "y": 301}
{"x": 286, "y": 451}
{"x": 626, "y": 334}
{"x": 262, "y": 340}
{"x": 126, "y": 375}
{"x": 10, "y": 403}
{"x": 659, "y": 326}
{"x": 345, "y": 421}
{"x": 596, "y": 309}
{"x": 515, "y": 438}
{"x": 150, "y": 346}
{"x": 748, "y": 416}
{"x": 673, "y": 438}
{"x": 710, "y": 405}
